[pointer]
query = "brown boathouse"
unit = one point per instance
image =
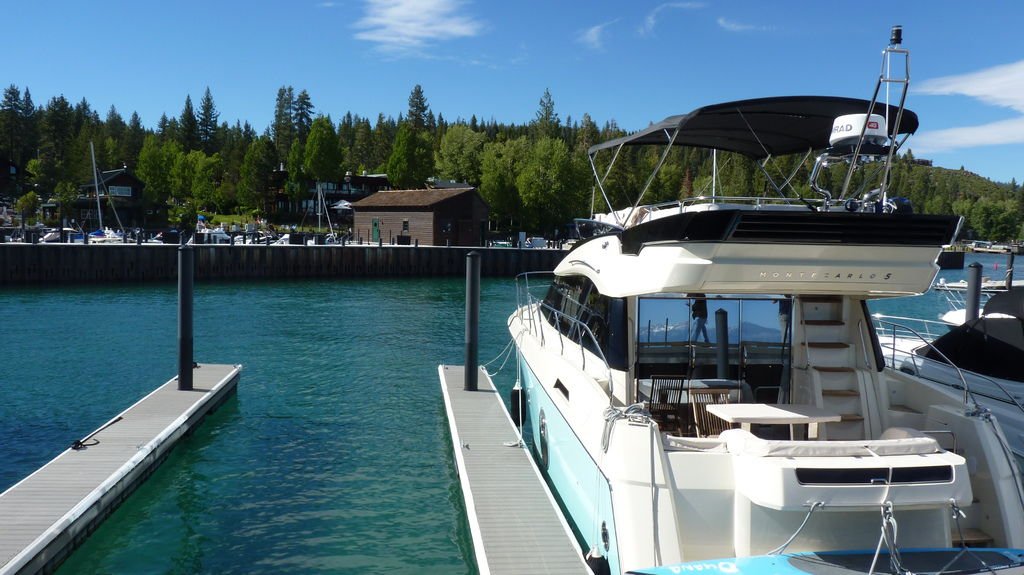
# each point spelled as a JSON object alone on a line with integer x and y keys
{"x": 435, "y": 217}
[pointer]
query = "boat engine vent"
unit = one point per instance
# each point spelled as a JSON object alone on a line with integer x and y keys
{"x": 844, "y": 228}
{"x": 874, "y": 475}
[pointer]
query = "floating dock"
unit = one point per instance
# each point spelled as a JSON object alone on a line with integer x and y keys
{"x": 515, "y": 522}
{"x": 45, "y": 516}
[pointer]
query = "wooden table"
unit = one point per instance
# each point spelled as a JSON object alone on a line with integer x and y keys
{"x": 774, "y": 414}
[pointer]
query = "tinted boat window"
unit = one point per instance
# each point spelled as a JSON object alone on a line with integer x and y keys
{"x": 572, "y": 301}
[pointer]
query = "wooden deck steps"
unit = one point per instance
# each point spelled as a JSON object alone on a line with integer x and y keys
{"x": 832, "y": 369}
{"x": 840, "y": 393}
{"x": 827, "y": 344}
{"x": 972, "y": 538}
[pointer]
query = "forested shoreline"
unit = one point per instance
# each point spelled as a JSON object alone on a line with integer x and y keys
{"x": 535, "y": 176}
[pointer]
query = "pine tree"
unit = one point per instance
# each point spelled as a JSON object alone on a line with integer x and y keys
{"x": 418, "y": 109}
{"x": 302, "y": 115}
{"x": 411, "y": 160}
{"x": 28, "y": 118}
{"x": 346, "y": 136}
{"x": 545, "y": 123}
{"x": 188, "y": 126}
{"x": 283, "y": 128}
{"x": 83, "y": 116}
{"x": 135, "y": 134}
{"x": 207, "y": 123}
{"x": 10, "y": 124}
{"x": 383, "y": 138}
{"x": 58, "y": 127}
{"x": 361, "y": 157}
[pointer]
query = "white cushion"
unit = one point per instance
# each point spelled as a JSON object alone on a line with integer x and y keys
{"x": 741, "y": 442}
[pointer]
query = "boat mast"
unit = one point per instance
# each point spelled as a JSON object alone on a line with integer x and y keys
{"x": 96, "y": 184}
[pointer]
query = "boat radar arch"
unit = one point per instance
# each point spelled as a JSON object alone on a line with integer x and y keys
{"x": 846, "y": 130}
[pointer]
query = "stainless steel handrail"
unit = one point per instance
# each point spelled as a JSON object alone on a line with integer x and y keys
{"x": 577, "y": 329}
{"x": 968, "y": 394}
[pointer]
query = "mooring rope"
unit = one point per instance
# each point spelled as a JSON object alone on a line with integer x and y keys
{"x": 792, "y": 537}
{"x": 637, "y": 413}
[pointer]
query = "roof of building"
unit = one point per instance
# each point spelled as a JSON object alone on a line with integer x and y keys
{"x": 410, "y": 198}
{"x": 107, "y": 175}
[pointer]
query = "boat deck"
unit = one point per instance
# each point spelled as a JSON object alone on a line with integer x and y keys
{"x": 49, "y": 513}
{"x": 515, "y": 522}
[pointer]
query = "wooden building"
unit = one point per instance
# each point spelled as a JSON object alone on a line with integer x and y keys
{"x": 437, "y": 217}
{"x": 351, "y": 188}
{"x": 120, "y": 190}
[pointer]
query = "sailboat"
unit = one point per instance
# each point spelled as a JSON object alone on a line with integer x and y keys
{"x": 103, "y": 234}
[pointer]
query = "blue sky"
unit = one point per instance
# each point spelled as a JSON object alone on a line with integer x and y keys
{"x": 632, "y": 62}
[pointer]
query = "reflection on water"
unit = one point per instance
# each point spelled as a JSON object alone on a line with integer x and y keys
{"x": 334, "y": 457}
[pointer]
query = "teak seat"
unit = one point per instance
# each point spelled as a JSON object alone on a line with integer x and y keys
{"x": 665, "y": 404}
{"x": 707, "y": 424}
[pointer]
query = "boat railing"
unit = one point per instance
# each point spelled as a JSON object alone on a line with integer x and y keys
{"x": 654, "y": 211}
{"x": 760, "y": 201}
{"x": 905, "y": 340}
{"x": 908, "y": 328}
{"x": 531, "y": 311}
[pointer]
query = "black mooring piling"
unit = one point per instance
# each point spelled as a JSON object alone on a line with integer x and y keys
{"x": 186, "y": 267}
{"x": 472, "y": 319}
{"x": 973, "y": 301}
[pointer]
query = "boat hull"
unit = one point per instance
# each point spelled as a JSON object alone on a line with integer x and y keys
{"x": 960, "y": 561}
{"x": 575, "y": 478}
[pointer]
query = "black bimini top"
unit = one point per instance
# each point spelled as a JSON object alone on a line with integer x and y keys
{"x": 762, "y": 127}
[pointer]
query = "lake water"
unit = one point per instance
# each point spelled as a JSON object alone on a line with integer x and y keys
{"x": 333, "y": 458}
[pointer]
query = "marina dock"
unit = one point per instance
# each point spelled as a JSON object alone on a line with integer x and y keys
{"x": 44, "y": 517}
{"x": 514, "y": 519}
{"x": 76, "y": 264}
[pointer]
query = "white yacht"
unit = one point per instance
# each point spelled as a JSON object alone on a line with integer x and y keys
{"x": 704, "y": 389}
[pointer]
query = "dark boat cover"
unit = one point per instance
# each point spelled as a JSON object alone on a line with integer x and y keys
{"x": 1008, "y": 302}
{"x": 763, "y": 126}
{"x": 990, "y": 346}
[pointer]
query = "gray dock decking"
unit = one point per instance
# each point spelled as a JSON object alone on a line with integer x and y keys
{"x": 49, "y": 513}
{"x": 515, "y": 522}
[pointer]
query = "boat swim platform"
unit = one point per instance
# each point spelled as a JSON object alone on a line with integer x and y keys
{"x": 515, "y": 522}
{"x": 47, "y": 515}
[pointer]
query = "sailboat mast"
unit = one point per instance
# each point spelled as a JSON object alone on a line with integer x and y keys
{"x": 96, "y": 184}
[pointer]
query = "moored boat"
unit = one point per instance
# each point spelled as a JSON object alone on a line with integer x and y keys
{"x": 705, "y": 390}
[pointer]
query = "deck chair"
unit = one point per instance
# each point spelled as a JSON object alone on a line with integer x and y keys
{"x": 707, "y": 424}
{"x": 665, "y": 405}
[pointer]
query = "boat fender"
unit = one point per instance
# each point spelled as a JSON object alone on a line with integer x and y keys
{"x": 543, "y": 447}
{"x": 517, "y": 405}
{"x": 598, "y": 563}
